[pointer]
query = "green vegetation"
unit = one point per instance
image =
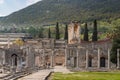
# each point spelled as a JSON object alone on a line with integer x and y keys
{"x": 51, "y": 11}
{"x": 86, "y": 33}
{"x": 49, "y": 33}
{"x": 95, "y": 32}
{"x": 57, "y": 31}
{"x": 66, "y": 32}
{"x": 87, "y": 76}
{"x": 115, "y": 34}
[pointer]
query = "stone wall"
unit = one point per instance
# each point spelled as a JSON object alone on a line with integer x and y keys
{"x": 49, "y": 52}
{"x": 89, "y": 55}
{"x": 73, "y": 33}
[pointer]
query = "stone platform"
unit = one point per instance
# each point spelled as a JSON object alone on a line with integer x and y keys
{"x": 40, "y": 75}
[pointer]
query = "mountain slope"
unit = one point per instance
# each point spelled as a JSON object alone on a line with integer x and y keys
{"x": 48, "y": 11}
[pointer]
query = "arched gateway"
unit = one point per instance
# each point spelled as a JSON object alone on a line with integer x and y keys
{"x": 14, "y": 59}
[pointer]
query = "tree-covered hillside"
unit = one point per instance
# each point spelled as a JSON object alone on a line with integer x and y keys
{"x": 49, "y": 11}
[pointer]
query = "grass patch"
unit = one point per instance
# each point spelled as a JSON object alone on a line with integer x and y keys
{"x": 87, "y": 76}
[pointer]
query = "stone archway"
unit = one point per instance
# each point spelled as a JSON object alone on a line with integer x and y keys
{"x": 14, "y": 59}
{"x": 102, "y": 62}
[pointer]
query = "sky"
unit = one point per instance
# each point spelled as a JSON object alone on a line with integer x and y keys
{"x": 9, "y": 6}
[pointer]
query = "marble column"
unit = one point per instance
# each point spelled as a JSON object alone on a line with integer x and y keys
{"x": 118, "y": 58}
{"x": 77, "y": 58}
{"x": 98, "y": 57}
{"x": 108, "y": 58}
{"x": 86, "y": 59}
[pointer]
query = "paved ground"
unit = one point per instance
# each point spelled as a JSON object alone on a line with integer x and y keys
{"x": 61, "y": 69}
{"x": 40, "y": 75}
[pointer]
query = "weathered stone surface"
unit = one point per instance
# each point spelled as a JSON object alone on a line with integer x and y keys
{"x": 74, "y": 33}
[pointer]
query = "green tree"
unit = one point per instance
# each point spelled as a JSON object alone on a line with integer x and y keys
{"x": 95, "y": 32}
{"x": 66, "y": 32}
{"x": 49, "y": 33}
{"x": 116, "y": 43}
{"x": 40, "y": 33}
{"x": 86, "y": 33}
{"x": 32, "y": 31}
{"x": 57, "y": 31}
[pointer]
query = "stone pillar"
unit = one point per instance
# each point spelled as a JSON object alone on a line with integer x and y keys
{"x": 19, "y": 64}
{"x": 27, "y": 53}
{"x": 44, "y": 58}
{"x": 8, "y": 42}
{"x": 77, "y": 58}
{"x": 86, "y": 59}
{"x": 4, "y": 57}
{"x": 98, "y": 57}
{"x": 118, "y": 58}
{"x": 108, "y": 58}
{"x": 65, "y": 57}
{"x": 40, "y": 57}
{"x": 52, "y": 55}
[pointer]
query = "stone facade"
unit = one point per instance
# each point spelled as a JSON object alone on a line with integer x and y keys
{"x": 89, "y": 55}
{"x": 47, "y": 53}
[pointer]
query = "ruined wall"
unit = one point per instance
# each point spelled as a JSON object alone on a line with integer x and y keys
{"x": 73, "y": 33}
{"x": 92, "y": 48}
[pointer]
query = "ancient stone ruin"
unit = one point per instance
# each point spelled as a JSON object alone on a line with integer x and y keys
{"x": 46, "y": 53}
